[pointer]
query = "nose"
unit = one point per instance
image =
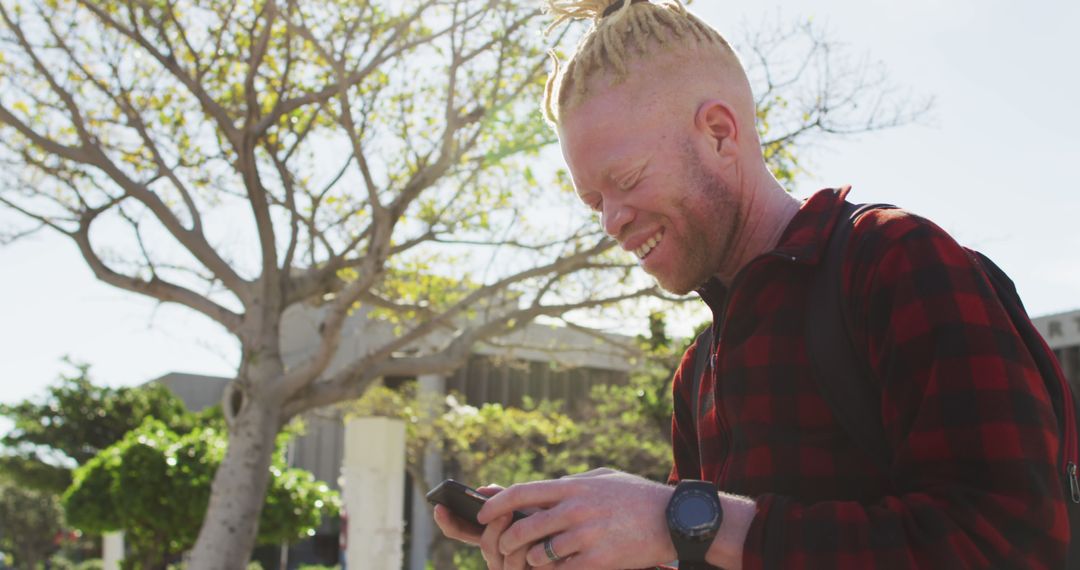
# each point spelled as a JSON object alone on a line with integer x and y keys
{"x": 616, "y": 216}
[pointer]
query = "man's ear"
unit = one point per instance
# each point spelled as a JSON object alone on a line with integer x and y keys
{"x": 716, "y": 119}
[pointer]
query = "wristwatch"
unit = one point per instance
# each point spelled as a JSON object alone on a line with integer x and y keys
{"x": 694, "y": 515}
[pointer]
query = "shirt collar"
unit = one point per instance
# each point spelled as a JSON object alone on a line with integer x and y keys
{"x": 808, "y": 233}
{"x": 803, "y": 241}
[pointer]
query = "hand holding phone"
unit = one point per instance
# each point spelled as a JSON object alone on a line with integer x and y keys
{"x": 462, "y": 500}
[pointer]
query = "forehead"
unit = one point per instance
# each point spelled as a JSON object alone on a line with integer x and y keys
{"x": 612, "y": 127}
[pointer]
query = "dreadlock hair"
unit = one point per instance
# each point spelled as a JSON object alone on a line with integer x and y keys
{"x": 621, "y": 31}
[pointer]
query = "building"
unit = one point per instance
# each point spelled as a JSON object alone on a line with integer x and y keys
{"x": 1062, "y": 333}
{"x": 539, "y": 362}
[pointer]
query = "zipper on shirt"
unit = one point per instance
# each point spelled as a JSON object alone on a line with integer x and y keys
{"x": 1069, "y": 446}
{"x": 1074, "y": 484}
{"x": 721, "y": 419}
{"x": 1071, "y": 452}
{"x": 714, "y": 369}
{"x": 714, "y": 359}
{"x": 1070, "y": 443}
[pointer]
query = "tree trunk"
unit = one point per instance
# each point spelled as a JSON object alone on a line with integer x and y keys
{"x": 228, "y": 532}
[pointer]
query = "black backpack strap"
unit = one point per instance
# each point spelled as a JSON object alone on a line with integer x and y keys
{"x": 702, "y": 351}
{"x": 843, "y": 374}
{"x": 1066, "y": 405}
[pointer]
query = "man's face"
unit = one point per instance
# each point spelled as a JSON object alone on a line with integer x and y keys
{"x": 636, "y": 164}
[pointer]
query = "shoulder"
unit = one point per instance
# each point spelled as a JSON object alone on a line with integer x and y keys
{"x": 895, "y": 242}
{"x": 880, "y": 228}
{"x": 904, "y": 275}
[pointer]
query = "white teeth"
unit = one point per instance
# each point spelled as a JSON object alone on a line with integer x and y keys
{"x": 648, "y": 245}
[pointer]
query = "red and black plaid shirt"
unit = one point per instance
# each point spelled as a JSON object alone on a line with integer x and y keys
{"x": 973, "y": 436}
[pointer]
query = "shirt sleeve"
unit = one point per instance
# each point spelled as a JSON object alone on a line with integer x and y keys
{"x": 973, "y": 435}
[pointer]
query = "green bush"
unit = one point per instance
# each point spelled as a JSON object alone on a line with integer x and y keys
{"x": 155, "y": 485}
{"x": 183, "y": 566}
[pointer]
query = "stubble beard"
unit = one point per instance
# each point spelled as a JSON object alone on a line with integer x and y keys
{"x": 710, "y": 214}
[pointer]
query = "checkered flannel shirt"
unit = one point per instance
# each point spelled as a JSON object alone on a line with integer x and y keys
{"x": 974, "y": 439}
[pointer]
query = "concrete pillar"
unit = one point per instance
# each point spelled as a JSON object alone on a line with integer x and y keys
{"x": 112, "y": 550}
{"x": 374, "y": 492}
{"x": 431, "y": 389}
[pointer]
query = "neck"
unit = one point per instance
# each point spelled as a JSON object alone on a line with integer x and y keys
{"x": 766, "y": 214}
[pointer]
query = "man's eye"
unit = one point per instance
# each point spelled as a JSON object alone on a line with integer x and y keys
{"x": 628, "y": 182}
{"x": 597, "y": 206}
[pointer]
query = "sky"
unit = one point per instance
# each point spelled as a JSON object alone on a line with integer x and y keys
{"x": 995, "y": 167}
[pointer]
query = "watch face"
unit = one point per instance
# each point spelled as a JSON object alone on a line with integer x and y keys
{"x": 696, "y": 513}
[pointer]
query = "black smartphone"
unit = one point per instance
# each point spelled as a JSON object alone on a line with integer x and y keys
{"x": 462, "y": 500}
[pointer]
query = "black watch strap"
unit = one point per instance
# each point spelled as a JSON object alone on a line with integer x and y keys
{"x": 694, "y": 515}
{"x": 692, "y": 556}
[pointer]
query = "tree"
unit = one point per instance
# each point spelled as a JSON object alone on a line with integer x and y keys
{"x": 246, "y": 159}
{"x": 478, "y": 445}
{"x": 75, "y": 421}
{"x": 496, "y": 444}
{"x": 625, "y": 427}
{"x": 30, "y": 523}
{"x": 154, "y": 485}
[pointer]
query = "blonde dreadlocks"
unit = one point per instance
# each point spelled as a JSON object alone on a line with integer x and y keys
{"x": 621, "y": 31}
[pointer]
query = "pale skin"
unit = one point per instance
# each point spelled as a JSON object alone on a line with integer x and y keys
{"x": 671, "y": 161}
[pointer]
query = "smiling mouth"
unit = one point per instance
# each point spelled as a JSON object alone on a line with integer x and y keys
{"x": 649, "y": 245}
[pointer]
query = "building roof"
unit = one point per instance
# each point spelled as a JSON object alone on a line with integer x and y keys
{"x": 196, "y": 390}
{"x": 1060, "y": 329}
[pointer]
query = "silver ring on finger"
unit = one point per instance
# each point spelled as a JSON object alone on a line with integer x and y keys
{"x": 549, "y": 549}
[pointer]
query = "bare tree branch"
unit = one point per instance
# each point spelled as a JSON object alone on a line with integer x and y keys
{"x": 168, "y": 61}
{"x": 383, "y": 55}
{"x": 248, "y": 165}
{"x": 154, "y": 287}
{"x": 92, "y": 155}
{"x": 375, "y": 150}
{"x": 352, "y": 382}
{"x": 306, "y": 373}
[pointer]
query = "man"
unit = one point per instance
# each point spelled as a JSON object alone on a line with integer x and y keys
{"x": 656, "y": 122}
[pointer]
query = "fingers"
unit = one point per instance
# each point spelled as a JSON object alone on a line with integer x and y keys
{"x": 593, "y": 473}
{"x": 489, "y": 490}
{"x": 487, "y": 538}
{"x": 455, "y": 528}
{"x": 566, "y": 547}
{"x": 489, "y": 542}
{"x": 516, "y": 560}
{"x": 535, "y": 528}
{"x": 546, "y": 553}
{"x": 524, "y": 496}
{"x": 489, "y": 546}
